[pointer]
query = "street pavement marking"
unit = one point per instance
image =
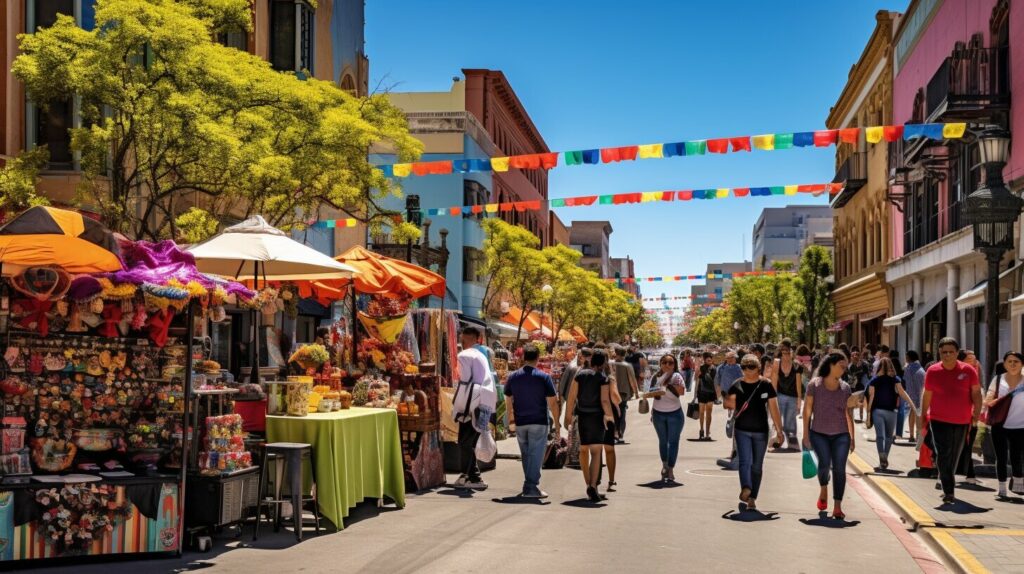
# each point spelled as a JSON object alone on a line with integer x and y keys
{"x": 984, "y": 532}
{"x": 963, "y": 558}
{"x": 917, "y": 515}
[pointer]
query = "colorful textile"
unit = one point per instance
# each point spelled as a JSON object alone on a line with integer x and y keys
{"x": 740, "y": 144}
{"x": 765, "y": 142}
{"x": 651, "y": 151}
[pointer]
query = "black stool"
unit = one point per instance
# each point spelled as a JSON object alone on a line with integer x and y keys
{"x": 291, "y": 454}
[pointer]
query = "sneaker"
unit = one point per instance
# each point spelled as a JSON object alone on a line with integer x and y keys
{"x": 701, "y": 435}
{"x": 1002, "y": 489}
{"x": 974, "y": 481}
{"x": 948, "y": 499}
{"x": 538, "y": 493}
{"x": 476, "y": 484}
{"x": 592, "y": 494}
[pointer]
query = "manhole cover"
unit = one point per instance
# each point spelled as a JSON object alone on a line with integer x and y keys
{"x": 715, "y": 472}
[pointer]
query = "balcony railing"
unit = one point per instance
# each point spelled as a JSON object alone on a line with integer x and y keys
{"x": 972, "y": 83}
{"x": 853, "y": 173}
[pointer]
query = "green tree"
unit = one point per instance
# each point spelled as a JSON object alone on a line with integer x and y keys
{"x": 572, "y": 287}
{"x": 648, "y": 335}
{"x": 18, "y": 181}
{"x": 525, "y": 280}
{"x": 815, "y": 267}
{"x": 715, "y": 327}
{"x": 504, "y": 245}
{"x": 173, "y": 120}
{"x": 756, "y": 302}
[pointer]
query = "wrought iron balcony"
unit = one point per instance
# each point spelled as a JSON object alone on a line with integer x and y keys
{"x": 853, "y": 173}
{"x": 971, "y": 84}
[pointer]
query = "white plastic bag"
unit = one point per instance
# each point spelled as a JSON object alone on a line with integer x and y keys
{"x": 486, "y": 449}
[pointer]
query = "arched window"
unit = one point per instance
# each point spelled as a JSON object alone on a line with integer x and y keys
{"x": 348, "y": 84}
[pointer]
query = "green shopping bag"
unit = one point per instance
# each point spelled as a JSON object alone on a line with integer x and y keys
{"x": 810, "y": 466}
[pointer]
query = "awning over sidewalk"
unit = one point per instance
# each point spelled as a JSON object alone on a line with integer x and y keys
{"x": 506, "y": 330}
{"x": 976, "y": 296}
{"x": 865, "y": 317}
{"x": 897, "y": 320}
{"x": 839, "y": 326}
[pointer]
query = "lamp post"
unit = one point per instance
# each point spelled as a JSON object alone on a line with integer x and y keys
{"x": 992, "y": 209}
{"x": 546, "y": 290}
{"x": 736, "y": 327}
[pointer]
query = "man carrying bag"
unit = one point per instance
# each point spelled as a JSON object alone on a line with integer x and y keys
{"x": 472, "y": 406}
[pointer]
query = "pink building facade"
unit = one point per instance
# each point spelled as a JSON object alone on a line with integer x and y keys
{"x": 952, "y": 61}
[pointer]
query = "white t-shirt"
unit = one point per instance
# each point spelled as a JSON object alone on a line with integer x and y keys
{"x": 1015, "y": 417}
{"x": 668, "y": 402}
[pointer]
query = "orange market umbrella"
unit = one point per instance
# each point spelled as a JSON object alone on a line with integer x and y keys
{"x": 50, "y": 236}
{"x": 378, "y": 274}
{"x": 513, "y": 316}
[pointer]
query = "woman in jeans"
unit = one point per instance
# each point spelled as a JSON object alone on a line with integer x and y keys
{"x": 787, "y": 378}
{"x": 688, "y": 368}
{"x": 828, "y": 429}
{"x": 1009, "y": 436}
{"x": 752, "y": 398}
{"x": 667, "y": 388}
{"x": 884, "y": 393}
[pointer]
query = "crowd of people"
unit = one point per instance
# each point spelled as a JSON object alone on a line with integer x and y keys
{"x": 763, "y": 391}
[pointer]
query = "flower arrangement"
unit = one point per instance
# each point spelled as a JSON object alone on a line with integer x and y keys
{"x": 310, "y": 356}
{"x": 75, "y": 515}
{"x": 388, "y": 305}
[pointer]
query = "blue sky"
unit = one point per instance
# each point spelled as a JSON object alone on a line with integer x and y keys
{"x": 600, "y": 73}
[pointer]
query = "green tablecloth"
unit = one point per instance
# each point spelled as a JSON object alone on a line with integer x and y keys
{"x": 358, "y": 456}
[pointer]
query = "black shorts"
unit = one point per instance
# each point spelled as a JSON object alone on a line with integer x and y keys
{"x": 705, "y": 397}
{"x": 593, "y": 430}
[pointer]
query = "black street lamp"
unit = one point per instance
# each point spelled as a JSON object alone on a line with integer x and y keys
{"x": 992, "y": 210}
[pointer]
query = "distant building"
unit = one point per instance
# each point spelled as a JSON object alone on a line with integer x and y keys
{"x": 622, "y": 269}
{"x": 782, "y": 233}
{"x": 720, "y": 286}
{"x": 591, "y": 238}
{"x": 559, "y": 232}
{"x": 478, "y": 118}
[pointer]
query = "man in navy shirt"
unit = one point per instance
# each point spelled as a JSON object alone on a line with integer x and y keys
{"x": 529, "y": 395}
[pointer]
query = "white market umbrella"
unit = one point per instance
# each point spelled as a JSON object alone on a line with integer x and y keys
{"x": 276, "y": 256}
{"x": 254, "y": 249}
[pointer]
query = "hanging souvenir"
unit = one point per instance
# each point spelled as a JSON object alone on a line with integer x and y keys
{"x": 42, "y": 283}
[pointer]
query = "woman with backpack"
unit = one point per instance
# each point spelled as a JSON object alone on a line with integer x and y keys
{"x": 752, "y": 399}
{"x": 828, "y": 428}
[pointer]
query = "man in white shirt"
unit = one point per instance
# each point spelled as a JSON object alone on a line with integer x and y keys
{"x": 474, "y": 403}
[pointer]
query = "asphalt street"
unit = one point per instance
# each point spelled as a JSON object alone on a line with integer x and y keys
{"x": 643, "y": 527}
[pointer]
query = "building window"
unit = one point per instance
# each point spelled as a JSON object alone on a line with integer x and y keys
{"x": 472, "y": 263}
{"x": 48, "y": 126}
{"x": 234, "y": 38}
{"x": 473, "y": 193}
{"x": 291, "y": 36}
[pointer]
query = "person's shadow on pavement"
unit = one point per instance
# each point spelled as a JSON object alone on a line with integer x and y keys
{"x": 460, "y": 492}
{"x": 661, "y": 484}
{"x": 961, "y": 507}
{"x": 750, "y": 516}
{"x": 521, "y": 500}
{"x": 584, "y": 503}
{"x": 823, "y": 521}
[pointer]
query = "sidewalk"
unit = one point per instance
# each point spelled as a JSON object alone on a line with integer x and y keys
{"x": 977, "y": 534}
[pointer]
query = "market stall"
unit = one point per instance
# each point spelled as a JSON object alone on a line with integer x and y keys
{"x": 95, "y": 388}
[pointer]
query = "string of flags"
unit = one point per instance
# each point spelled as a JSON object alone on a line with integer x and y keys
{"x": 815, "y": 189}
{"x": 668, "y": 278}
{"x": 765, "y": 142}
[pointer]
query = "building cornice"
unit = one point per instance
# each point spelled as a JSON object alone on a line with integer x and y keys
{"x": 861, "y": 81}
{"x": 508, "y": 96}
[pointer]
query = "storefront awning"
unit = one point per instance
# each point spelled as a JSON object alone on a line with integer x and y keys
{"x": 839, "y": 326}
{"x": 1017, "y": 305}
{"x": 865, "y": 317}
{"x": 506, "y": 330}
{"x": 897, "y": 320}
{"x": 976, "y": 296}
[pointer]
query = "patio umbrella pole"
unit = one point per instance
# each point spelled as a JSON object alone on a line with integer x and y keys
{"x": 254, "y": 375}
{"x": 355, "y": 326}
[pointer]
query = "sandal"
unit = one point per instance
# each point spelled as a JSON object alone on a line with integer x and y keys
{"x": 839, "y": 516}
{"x": 611, "y": 486}
{"x": 822, "y": 505}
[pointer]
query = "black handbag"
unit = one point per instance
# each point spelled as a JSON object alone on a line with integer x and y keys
{"x": 693, "y": 410}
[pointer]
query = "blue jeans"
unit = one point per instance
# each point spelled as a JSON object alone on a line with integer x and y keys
{"x": 688, "y": 378}
{"x": 787, "y": 408}
{"x": 750, "y": 447}
{"x": 885, "y": 429}
{"x": 668, "y": 426}
{"x": 533, "y": 441}
{"x": 832, "y": 451}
